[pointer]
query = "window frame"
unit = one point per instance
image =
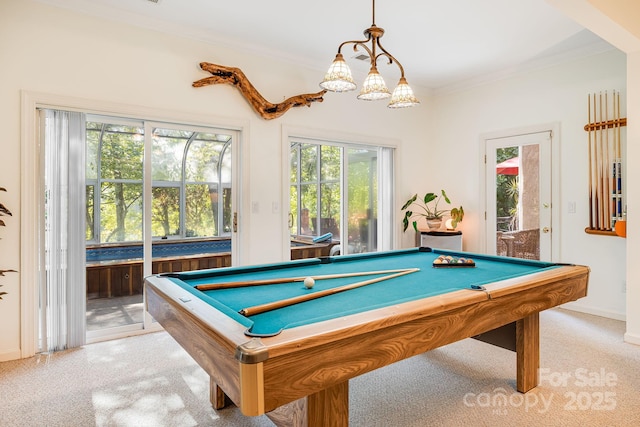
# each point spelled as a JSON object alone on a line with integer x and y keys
{"x": 386, "y": 172}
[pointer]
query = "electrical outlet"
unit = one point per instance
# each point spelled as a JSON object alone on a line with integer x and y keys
{"x": 572, "y": 207}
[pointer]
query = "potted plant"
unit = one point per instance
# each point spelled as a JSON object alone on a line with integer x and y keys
{"x": 428, "y": 208}
{"x": 3, "y": 212}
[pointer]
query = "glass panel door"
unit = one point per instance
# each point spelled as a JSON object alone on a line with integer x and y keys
{"x": 183, "y": 174}
{"x": 191, "y": 206}
{"x": 113, "y": 182}
{"x": 362, "y": 195}
{"x": 518, "y": 196}
{"x": 334, "y": 197}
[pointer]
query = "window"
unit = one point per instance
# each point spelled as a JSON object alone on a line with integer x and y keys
{"x": 114, "y": 182}
{"x": 335, "y": 188}
{"x": 191, "y": 182}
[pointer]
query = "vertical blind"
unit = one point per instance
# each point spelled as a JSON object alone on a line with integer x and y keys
{"x": 62, "y": 309}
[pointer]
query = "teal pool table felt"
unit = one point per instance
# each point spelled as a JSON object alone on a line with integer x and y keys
{"x": 426, "y": 282}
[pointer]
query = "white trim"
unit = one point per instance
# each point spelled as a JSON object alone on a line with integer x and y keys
{"x": 632, "y": 339}
{"x": 116, "y": 109}
{"x": 581, "y": 308}
{"x": 326, "y": 135}
{"x": 29, "y": 229}
{"x": 12, "y": 354}
{"x": 31, "y": 185}
{"x": 122, "y": 332}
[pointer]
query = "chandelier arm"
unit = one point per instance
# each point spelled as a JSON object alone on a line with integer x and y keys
{"x": 355, "y": 43}
{"x": 365, "y": 47}
{"x": 391, "y": 58}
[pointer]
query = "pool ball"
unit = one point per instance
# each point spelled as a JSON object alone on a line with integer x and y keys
{"x": 309, "y": 282}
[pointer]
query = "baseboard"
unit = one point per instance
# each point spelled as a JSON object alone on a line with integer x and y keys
{"x": 575, "y": 306}
{"x": 15, "y": 354}
{"x": 632, "y": 338}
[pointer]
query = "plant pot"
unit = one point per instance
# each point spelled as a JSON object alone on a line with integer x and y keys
{"x": 434, "y": 224}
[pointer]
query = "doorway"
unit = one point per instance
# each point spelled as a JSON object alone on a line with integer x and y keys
{"x": 338, "y": 194}
{"x": 149, "y": 198}
{"x": 518, "y": 188}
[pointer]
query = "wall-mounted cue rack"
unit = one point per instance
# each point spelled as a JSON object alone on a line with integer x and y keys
{"x": 606, "y": 193}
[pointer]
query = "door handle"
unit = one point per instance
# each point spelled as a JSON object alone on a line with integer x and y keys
{"x": 546, "y": 230}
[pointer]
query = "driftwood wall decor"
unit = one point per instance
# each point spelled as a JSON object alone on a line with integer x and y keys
{"x": 267, "y": 110}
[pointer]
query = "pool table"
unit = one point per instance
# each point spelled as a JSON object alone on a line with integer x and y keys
{"x": 294, "y": 363}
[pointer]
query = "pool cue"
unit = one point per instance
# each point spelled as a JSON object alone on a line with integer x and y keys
{"x": 279, "y": 280}
{"x": 605, "y": 166}
{"x": 594, "y": 165}
{"x": 600, "y": 174}
{"x": 618, "y": 153}
{"x": 590, "y": 164}
{"x": 257, "y": 309}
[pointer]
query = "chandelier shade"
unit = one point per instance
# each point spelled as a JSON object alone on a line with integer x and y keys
{"x": 339, "y": 79}
{"x": 374, "y": 87}
{"x": 403, "y": 96}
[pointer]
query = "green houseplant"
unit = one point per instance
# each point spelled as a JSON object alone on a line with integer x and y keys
{"x": 428, "y": 209}
{"x": 4, "y": 212}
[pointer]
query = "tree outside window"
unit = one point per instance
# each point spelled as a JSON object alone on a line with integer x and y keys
{"x": 191, "y": 183}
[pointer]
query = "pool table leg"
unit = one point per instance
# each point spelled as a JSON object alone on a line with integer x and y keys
{"x": 527, "y": 352}
{"x": 328, "y": 407}
{"x": 217, "y": 396}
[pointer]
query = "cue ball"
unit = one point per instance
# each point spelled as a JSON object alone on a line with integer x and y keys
{"x": 309, "y": 282}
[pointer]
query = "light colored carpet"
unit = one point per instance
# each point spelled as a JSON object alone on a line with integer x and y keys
{"x": 149, "y": 380}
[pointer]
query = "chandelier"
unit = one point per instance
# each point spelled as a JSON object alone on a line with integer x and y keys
{"x": 338, "y": 77}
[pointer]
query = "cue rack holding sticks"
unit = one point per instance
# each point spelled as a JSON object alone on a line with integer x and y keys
{"x": 606, "y": 201}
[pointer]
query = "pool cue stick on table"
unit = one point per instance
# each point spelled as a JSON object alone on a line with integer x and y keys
{"x": 279, "y": 280}
{"x": 257, "y": 309}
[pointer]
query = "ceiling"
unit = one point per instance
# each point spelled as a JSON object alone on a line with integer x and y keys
{"x": 442, "y": 45}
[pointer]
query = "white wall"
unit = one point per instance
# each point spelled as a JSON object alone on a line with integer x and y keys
{"x": 49, "y": 50}
{"x": 553, "y": 94}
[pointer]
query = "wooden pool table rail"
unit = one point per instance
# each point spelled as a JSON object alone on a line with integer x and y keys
{"x": 314, "y": 362}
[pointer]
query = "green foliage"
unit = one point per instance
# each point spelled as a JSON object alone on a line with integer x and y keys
{"x": 116, "y": 152}
{"x": 200, "y": 218}
{"x": 4, "y": 212}
{"x": 506, "y": 186}
{"x": 428, "y": 208}
{"x": 120, "y": 160}
{"x": 318, "y": 181}
{"x": 363, "y": 190}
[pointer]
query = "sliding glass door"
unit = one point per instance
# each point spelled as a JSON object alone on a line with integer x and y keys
{"x": 153, "y": 198}
{"x": 335, "y": 193}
